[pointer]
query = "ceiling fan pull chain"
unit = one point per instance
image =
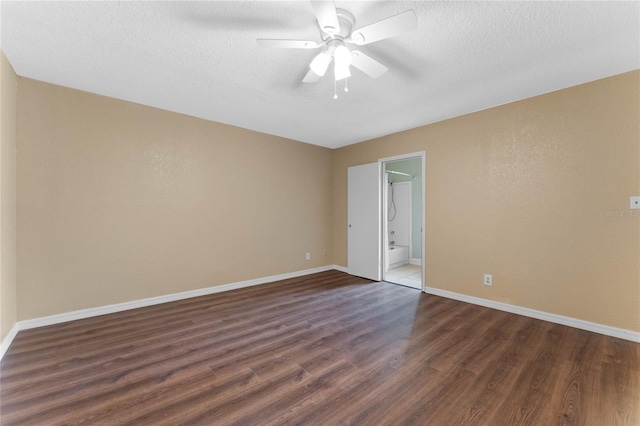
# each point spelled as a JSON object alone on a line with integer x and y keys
{"x": 346, "y": 87}
{"x": 335, "y": 89}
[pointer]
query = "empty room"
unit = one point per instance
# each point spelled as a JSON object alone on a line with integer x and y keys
{"x": 320, "y": 213}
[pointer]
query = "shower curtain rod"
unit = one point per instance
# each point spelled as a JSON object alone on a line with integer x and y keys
{"x": 400, "y": 173}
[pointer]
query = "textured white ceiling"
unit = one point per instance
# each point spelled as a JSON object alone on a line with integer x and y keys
{"x": 201, "y": 58}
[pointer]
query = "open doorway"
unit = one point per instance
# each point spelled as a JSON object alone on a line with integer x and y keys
{"x": 402, "y": 220}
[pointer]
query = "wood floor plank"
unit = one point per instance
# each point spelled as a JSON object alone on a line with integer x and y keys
{"x": 327, "y": 348}
{"x": 538, "y": 379}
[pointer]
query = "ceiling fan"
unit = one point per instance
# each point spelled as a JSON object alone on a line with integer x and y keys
{"x": 336, "y": 31}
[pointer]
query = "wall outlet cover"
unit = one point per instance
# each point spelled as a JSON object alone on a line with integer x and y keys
{"x": 634, "y": 203}
{"x": 308, "y": 256}
{"x": 488, "y": 279}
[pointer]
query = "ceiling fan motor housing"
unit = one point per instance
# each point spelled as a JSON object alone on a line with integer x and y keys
{"x": 346, "y": 21}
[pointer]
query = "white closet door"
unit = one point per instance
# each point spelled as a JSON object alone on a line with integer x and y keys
{"x": 364, "y": 221}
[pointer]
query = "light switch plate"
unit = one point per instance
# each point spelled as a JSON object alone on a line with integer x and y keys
{"x": 634, "y": 203}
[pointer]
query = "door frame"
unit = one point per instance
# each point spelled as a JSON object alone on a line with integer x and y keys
{"x": 383, "y": 216}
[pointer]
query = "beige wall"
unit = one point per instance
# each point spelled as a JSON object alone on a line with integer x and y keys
{"x": 118, "y": 202}
{"x": 522, "y": 192}
{"x": 8, "y": 290}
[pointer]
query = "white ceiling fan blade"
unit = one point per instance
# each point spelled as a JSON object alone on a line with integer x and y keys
{"x": 367, "y": 65}
{"x": 311, "y": 77}
{"x": 325, "y": 12}
{"x": 398, "y": 24}
{"x": 287, "y": 44}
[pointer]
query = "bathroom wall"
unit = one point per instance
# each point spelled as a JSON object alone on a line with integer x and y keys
{"x": 399, "y": 213}
{"x": 412, "y": 166}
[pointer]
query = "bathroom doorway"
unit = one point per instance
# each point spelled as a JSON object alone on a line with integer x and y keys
{"x": 402, "y": 220}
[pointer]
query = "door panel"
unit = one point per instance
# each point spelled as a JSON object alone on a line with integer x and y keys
{"x": 364, "y": 221}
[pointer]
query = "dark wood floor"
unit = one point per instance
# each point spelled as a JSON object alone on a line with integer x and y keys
{"x": 326, "y": 349}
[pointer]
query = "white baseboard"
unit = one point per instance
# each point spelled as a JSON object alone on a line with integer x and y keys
{"x": 341, "y": 268}
{"x": 545, "y": 316}
{"x": 7, "y": 340}
{"x": 119, "y": 307}
{"x": 415, "y": 261}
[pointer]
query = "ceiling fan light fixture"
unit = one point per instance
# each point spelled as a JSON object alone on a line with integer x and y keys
{"x": 341, "y": 71}
{"x": 320, "y": 63}
{"x": 342, "y": 56}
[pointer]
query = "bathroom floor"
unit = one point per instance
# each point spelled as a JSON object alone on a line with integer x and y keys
{"x": 409, "y": 275}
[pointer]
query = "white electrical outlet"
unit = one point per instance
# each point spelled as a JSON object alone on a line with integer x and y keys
{"x": 488, "y": 279}
{"x": 634, "y": 203}
{"x": 308, "y": 256}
